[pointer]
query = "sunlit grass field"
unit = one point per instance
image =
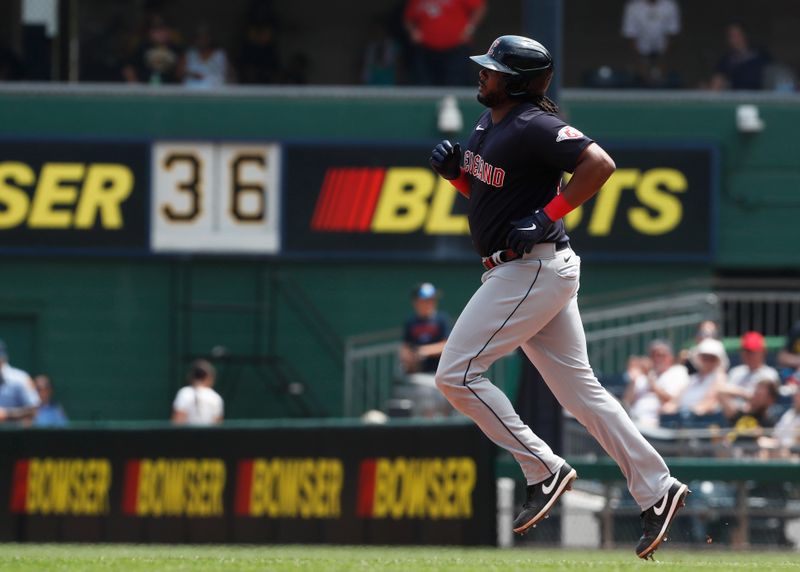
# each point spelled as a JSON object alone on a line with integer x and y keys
{"x": 87, "y": 558}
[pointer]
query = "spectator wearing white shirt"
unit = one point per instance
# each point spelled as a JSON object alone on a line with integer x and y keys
{"x": 649, "y": 24}
{"x": 197, "y": 403}
{"x": 700, "y": 395}
{"x": 743, "y": 378}
{"x": 787, "y": 429}
{"x": 648, "y": 392}
{"x": 205, "y": 66}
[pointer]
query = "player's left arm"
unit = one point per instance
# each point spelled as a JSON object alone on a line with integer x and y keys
{"x": 592, "y": 170}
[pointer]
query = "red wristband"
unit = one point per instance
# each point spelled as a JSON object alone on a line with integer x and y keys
{"x": 557, "y": 208}
{"x": 462, "y": 184}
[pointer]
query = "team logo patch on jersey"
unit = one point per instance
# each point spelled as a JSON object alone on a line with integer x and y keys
{"x": 568, "y": 132}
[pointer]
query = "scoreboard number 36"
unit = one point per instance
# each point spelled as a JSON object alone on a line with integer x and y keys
{"x": 215, "y": 197}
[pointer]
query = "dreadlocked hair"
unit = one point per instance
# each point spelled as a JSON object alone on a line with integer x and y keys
{"x": 544, "y": 103}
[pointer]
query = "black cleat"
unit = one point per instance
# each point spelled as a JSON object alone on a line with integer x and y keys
{"x": 542, "y": 496}
{"x": 657, "y": 519}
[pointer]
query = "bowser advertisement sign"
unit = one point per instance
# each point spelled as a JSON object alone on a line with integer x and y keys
{"x": 384, "y": 200}
{"x": 334, "y": 484}
{"x": 74, "y": 195}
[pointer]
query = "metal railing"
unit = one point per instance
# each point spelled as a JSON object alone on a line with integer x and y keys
{"x": 372, "y": 369}
{"x": 770, "y": 312}
{"x": 614, "y": 332}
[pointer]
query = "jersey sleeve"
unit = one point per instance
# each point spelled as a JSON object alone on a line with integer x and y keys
{"x": 219, "y": 406}
{"x": 554, "y": 142}
{"x": 183, "y": 399}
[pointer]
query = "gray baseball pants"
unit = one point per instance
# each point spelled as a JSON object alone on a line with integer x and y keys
{"x": 532, "y": 303}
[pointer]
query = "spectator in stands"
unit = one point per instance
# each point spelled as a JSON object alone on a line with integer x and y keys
{"x": 700, "y": 398}
{"x": 50, "y": 413}
{"x": 650, "y": 24}
{"x": 205, "y": 65}
{"x": 787, "y": 429}
{"x": 755, "y": 414}
{"x": 156, "y": 60}
{"x": 259, "y": 59}
{"x": 18, "y": 398}
{"x": 425, "y": 332}
{"x": 705, "y": 329}
{"x": 742, "y": 66}
{"x": 648, "y": 392}
{"x": 197, "y": 403}
{"x": 789, "y": 356}
{"x": 742, "y": 379}
{"x": 424, "y": 336}
{"x": 381, "y": 57}
{"x": 636, "y": 367}
{"x": 440, "y": 32}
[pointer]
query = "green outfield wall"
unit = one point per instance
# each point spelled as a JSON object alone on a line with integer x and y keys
{"x": 116, "y": 331}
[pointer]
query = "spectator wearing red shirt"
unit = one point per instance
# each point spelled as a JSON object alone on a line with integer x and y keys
{"x": 440, "y": 31}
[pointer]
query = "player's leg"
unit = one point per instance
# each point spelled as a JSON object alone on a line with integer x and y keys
{"x": 514, "y": 301}
{"x": 559, "y": 353}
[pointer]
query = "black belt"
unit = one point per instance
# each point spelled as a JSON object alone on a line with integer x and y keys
{"x": 503, "y": 256}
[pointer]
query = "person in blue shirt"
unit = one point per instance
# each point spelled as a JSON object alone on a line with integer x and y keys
{"x": 50, "y": 413}
{"x": 424, "y": 335}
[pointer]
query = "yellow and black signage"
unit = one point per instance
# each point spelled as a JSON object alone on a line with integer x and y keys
{"x": 73, "y": 195}
{"x": 59, "y": 486}
{"x": 348, "y": 484}
{"x": 174, "y": 487}
{"x": 290, "y": 488}
{"x": 408, "y": 487}
{"x": 659, "y": 204}
{"x": 388, "y": 202}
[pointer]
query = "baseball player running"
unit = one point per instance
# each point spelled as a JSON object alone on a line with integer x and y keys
{"x": 511, "y": 172}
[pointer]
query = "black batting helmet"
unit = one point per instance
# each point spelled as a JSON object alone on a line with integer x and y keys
{"x": 517, "y": 56}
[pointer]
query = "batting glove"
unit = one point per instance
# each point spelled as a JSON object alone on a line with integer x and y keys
{"x": 527, "y": 231}
{"x": 446, "y": 160}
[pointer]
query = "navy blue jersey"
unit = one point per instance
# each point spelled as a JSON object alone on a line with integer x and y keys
{"x": 421, "y": 331}
{"x": 515, "y": 167}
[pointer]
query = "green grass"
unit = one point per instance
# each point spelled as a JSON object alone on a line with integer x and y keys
{"x": 87, "y": 558}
